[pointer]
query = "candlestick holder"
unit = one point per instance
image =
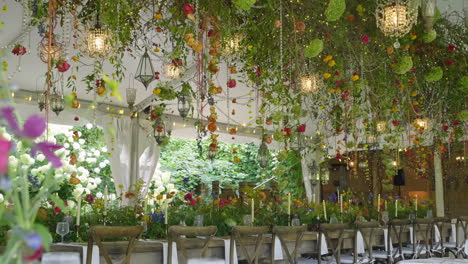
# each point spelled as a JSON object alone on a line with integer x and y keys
{"x": 77, "y": 229}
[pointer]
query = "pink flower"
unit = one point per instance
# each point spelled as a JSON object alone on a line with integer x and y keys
{"x": 189, "y": 9}
{"x": 365, "y": 39}
{"x": 231, "y": 83}
{"x": 62, "y": 66}
{"x": 445, "y": 127}
{"x": 286, "y": 131}
{"x": 301, "y": 128}
{"x": 456, "y": 123}
{"x": 395, "y": 123}
{"x": 19, "y": 50}
{"x": 5, "y": 147}
{"x": 327, "y": 35}
{"x": 451, "y": 48}
{"x": 89, "y": 198}
{"x": 189, "y": 197}
{"x": 300, "y": 26}
{"x": 223, "y": 202}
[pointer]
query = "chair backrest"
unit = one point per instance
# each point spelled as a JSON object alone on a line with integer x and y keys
{"x": 284, "y": 234}
{"x": 423, "y": 228}
{"x": 334, "y": 234}
{"x": 176, "y": 234}
{"x": 243, "y": 235}
{"x": 397, "y": 228}
{"x": 462, "y": 222}
{"x": 367, "y": 230}
{"x": 98, "y": 233}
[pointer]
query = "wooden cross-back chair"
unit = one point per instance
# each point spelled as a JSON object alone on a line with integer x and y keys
{"x": 243, "y": 234}
{"x": 336, "y": 242}
{"x": 440, "y": 243}
{"x": 397, "y": 228}
{"x": 284, "y": 234}
{"x": 367, "y": 230}
{"x": 423, "y": 228}
{"x": 462, "y": 222}
{"x": 178, "y": 235}
{"x": 99, "y": 233}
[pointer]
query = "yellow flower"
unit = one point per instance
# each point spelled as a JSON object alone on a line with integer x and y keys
{"x": 250, "y": 47}
{"x": 156, "y": 50}
{"x": 75, "y": 58}
{"x": 413, "y": 36}
{"x": 73, "y": 77}
{"x": 415, "y": 102}
{"x": 338, "y": 90}
{"x": 402, "y": 86}
{"x": 327, "y": 58}
{"x": 157, "y": 91}
{"x": 121, "y": 186}
{"x": 326, "y": 75}
{"x": 158, "y": 16}
{"x": 394, "y": 109}
{"x": 159, "y": 197}
{"x": 331, "y": 63}
{"x": 5, "y": 8}
{"x": 414, "y": 93}
{"x": 355, "y": 77}
{"x": 331, "y": 90}
{"x": 5, "y": 64}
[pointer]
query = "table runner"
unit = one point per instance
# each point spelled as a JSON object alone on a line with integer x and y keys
{"x": 96, "y": 256}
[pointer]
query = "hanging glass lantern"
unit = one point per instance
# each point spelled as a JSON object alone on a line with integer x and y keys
{"x": 381, "y": 126}
{"x": 131, "y": 97}
{"x": 57, "y": 103}
{"x": 183, "y": 104}
{"x": 310, "y": 83}
{"x": 145, "y": 70}
{"x": 263, "y": 156}
{"x": 428, "y": 12}
{"x": 212, "y": 154}
{"x": 53, "y": 52}
{"x": 232, "y": 45}
{"x": 160, "y": 131}
{"x": 41, "y": 100}
{"x": 298, "y": 143}
{"x": 396, "y": 18}
{"x": 97, "y": 41}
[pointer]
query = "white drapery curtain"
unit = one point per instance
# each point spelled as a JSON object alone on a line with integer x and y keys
{"x": 312, "y": 192}
{"x": 134, "y": 155}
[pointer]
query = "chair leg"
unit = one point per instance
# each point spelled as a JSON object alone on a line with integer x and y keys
{"x": 89, "y": 250}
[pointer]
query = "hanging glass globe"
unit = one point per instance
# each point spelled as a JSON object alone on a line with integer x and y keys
{"x": 145, "y": 70}
{"x": 160, "y": 132}
{"x": 131, "y": 97}
{"x": 54, "y": 51}
{"x": 395, "y": 18}
{"x": 41, "y": 100}
{"x": 298, "y": 143}
{"x": 310, "y": 83}
{"x": 428, "y": 12}
{"x": 183, "y": 101}
{"x": 98, "y": 41}
{"x": 212, "y": 154}
{"x": 57, "y": 103}
{"x": 263, "y": 156}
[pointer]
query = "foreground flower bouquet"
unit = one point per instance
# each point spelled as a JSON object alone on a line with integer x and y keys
{"x": 26, "y": 240}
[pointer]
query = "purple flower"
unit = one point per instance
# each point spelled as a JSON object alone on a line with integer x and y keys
{"x": 33, "y": 128}
{"x": 5, "y": 147}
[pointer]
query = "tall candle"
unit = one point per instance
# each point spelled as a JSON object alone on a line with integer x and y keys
{"x": 78, "y": 212}
{"x": 324, "y": 210}
{"x": 166, "y": 216}
{"x": 289, "y": 203}
{"x": 385, "y": 203}
{"x": 106, "y": 196}
{"x": 396, "y": 208}
{"x": 378, "y": 203}
{"x": 253, "y": 208}
{"x": 145, "y": 205}
{"x": 416, "y": 203}
{"x": 313, "y": 197}
{"x": 341, "y": 203}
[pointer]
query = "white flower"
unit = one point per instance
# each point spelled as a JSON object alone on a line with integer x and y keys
{"x": 97, "y": 153}
{"x": 81, "y": 141}
{"x": 91, "y": 186}
{"x": 71, "y": 204}
{"x": 5, "y": 135}
{"x": 26, "y": 159}
{"x": 19, "y": 146}
{"x": 102, "y": 165}
{"x": 76, "y": 145}
{"x": 61, "y": 153}
{"x": 97, "y": 180}
{"x": 44, "y": 169}
{"x": 104, "y": 149}
{"x": 52, "y": 140}
{"x": 97, "y": 170}
{"x": 112, "y": 196}
{"x": 40, "y": 157}
{"x": 91, "y": 160}
{"x": 107, "y": 161}
{"x": 89, "y": 126}
{"x": 78, "y": 191}
{"x": 160, "y": 189}
{"x": 87, "y": 191}
{"x": 79, "y": 134}
{"x": 158, "y": 183}
{"x": 99, "y": 195}
{"x": 34, "y": 172}
{"x": 165, "y": 176}
{"x": 58, "y": 176}
{"x": 1, "y": 198}
{"x": 170, "y": 187}
{"x": 66, "y": 145}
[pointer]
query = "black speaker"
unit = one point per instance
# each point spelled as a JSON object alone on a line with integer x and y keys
{"x": 399, "y": 178}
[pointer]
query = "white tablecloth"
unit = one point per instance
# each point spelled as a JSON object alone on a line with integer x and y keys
{"x": 434, "y": 260}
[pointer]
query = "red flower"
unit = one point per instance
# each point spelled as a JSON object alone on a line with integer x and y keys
{"x": 456, "y": 123}
{"x": 223, "y": 202}
{"x": 451, "y": 48}
{"x": 286, "y": 131}
{"x": 338, "y": 156}
{"x": 231, "y": 83}
{"x": 57, "y": 209}
{"x": 62, "y": 66}
{"x": 328, "y": 35}
{"x": 338, "y": 82}
{"x": 365, "y": 39}
{"x": 19, "y": 50}
{"x": 159, "y": 129}
{"x": 395, "y": 100}
{"x": 301, "y": 128}
{"x": 395, "y": 123}
{"x": 189, "y": 9}
{"x": 177, "y": 62}
{"x": 300, "y": 26}
{"x": 76, "y": 118}
{"x": 350, "y": 18}
{"x": 445, "y": 127}
{"x": 189, "y": 197}
{"x": 89, "y": 198}
{"x": 337, "y": 73}
{"x": 448, "y": 63}
{"x": 258, "y": 71}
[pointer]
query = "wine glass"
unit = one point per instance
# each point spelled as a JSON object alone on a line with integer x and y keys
{"x": 295, "y": 221}
{"x": 247, "y": 220}
{"x": 385, "y": 217}
{"x": 63, "y": 228}
{"x": 198, "y": 220}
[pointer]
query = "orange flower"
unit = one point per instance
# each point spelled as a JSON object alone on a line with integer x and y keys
{"x": 159, "y": 197}
{"x": 199, "y": 199}
{"x": 42, "y": 213}
{"x": 129, "y": 195}
{"x": 262, "y": 196}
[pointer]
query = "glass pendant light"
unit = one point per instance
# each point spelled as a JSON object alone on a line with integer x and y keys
{"x": 145, "y": 70}
{"x": 263, "y": 156}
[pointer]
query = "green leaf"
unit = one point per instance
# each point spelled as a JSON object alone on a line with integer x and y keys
{"x": 429, "y": 36}
{"x": 113, "y": 86}
{"x": 314, "y": 48}
{"x": 404, "y": 65}
{"x": 243, "y": 4}
{"x": 434, "y": 75}
{"x": 335, "y": 9}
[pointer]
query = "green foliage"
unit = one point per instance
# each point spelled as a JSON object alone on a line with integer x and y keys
{"x": 429, "y": 36}
{"x": 243, "y": 4}
{"x": 434, "y": 75}
{"x": 314, "y": 48}
{"x": 404, "y": 65}
{"x": 335, "y": 9}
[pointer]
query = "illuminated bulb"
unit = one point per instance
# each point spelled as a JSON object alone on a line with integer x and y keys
{"x": 396, "y": 20}
{"x": 121, "y": 111}
{"x": 422, "y": 123}
{"x": 381, "y": 126}
{"x": 12, "y": 94}
{"x": 310, "y": 83}
{"x": 172, "y": 71}
{"x": 394, "y": 163}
